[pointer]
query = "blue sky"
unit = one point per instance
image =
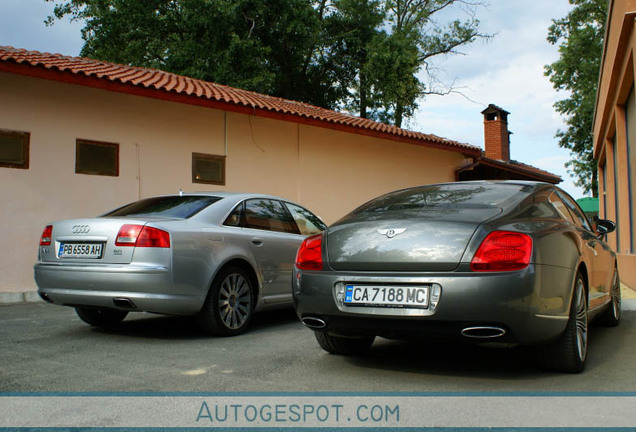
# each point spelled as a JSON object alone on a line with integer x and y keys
{"x": 506, "y": 71}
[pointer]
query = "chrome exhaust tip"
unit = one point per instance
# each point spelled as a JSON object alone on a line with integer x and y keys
{"x": 124, "y": 303}
{"x": 483, "y": 332}
{"x": 314, "y": 323}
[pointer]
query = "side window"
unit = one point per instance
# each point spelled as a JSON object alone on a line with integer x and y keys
{"x": 539, "y": 206}
{"x": 579, "y": 216}
{"x": 96, "y": 158}
{"x": 268, "y": 215}
{"x": 235, "y": 218}
{"x": 555, "y": 200}
{"x": 307, "y": 222}
{"x": 14, "y": 149}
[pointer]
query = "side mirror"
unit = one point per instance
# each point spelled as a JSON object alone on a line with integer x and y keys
{"x": 605, "y": 226}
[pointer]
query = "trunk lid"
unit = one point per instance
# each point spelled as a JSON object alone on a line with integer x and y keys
{"x": 90, "y": 240}
{"x": 423, "y": 239}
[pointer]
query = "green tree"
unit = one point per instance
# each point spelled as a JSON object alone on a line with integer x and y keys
{"x": 393, "y": 69}
{"x": 389, "y": 44}
{"x": 355, "y": 25}
{"x": 264, "y": 46}
{"x": 417, "y": 29}
{"x": 364, "y": 56}
{"x": 580, "y": 37}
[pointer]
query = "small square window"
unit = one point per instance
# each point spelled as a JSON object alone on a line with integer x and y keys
{"x": 14, "y": 149}
{"x": 96, "y": 158}
{"x": 209, "y": 169}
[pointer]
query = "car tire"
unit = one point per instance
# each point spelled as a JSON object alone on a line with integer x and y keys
{"x": 349, "y": 346}
{"x": 229, "y": 306}
{"x": 612, "y": 315}
{"x": 100, "y": 317}
{"x": 569, "y": 352}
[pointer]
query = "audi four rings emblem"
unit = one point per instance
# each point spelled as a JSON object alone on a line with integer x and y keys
{"x": 390, "y": 233}
{"x": 80, "y": 229}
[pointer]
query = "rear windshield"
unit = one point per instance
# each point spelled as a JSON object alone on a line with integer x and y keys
{"x": 181, "y": 207}
{"x": 456, "y": 195}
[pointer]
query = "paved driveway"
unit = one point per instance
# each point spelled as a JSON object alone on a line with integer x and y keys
{"x": 47, "y": 348}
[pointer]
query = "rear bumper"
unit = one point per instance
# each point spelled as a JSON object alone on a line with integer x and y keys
{"x": 531, "y": 305}
{"x": 149, "y": 288}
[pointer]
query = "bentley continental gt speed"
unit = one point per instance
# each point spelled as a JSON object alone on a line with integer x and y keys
{"x": 512, "y": 262}
{"x": 219, "y": 256}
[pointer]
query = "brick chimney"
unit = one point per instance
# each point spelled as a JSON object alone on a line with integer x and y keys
{"x": 496, "y": 134}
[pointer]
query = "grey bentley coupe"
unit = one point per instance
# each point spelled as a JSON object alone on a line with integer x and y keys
{"x": 512, "y": 262}
{"x": 219, "y": 256}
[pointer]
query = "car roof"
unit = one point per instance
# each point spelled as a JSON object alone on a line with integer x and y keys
{"x": 236, "y": 196}
{"x": 536, "y": 185}
{"x": 510, "y": 182}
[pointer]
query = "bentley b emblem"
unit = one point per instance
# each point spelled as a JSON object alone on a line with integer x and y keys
{"x": 392, "y": 232}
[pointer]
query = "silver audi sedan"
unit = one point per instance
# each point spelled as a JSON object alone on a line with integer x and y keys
{"x": 219, "y": 256}
{"x": 511, "y": 262}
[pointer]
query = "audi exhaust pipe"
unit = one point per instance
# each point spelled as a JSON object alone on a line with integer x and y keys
{"x": 314, "y": 323}
{"x": 484, "y": 332}
{"x": 124, "y": 303}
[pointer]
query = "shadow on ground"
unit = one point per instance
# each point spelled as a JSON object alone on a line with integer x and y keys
{"x": 144, "y": 325}
{"x": 456, "y": 358}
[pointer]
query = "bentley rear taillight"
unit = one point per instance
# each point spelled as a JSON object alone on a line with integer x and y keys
{"x": 45, "y": 239}
{"x": 503, "y": 251}
{"x": 309, "y": 256}
{"x": 142, "y": 236}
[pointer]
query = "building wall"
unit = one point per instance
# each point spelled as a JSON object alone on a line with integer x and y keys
{"x": 615, "y": 133}
{"x": 328, "y": 171}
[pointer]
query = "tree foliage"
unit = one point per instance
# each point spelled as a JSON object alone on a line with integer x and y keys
{"x": 365, "y": 56}
{"x": 580, "y": 37}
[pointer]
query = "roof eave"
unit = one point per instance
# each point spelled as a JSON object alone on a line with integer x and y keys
{"x": 547, "y": 177}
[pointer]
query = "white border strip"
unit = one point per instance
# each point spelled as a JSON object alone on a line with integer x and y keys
{"x": 319, "y": 411}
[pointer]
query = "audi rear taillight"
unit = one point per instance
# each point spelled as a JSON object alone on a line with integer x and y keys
{"x": 503, "y": 251}
{"x": 45, "y": 240}
{"x": 153, "y": 237}
{"x": 142, "y": 236}
{"x": 309, "y": 256}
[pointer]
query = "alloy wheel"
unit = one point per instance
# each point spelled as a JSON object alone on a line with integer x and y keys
{"x": 234, "y": 301}
{"x": 581, "y": 320}
{"x": 616, "y": 296}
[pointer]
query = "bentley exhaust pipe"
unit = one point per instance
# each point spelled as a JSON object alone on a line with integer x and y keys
{"x": 314, "y": 323}
{"x": 483, "y": 332}
{"x": 45, "y": 297}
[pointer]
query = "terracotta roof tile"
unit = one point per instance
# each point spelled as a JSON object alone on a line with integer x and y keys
{"x": 184, "y": 86}
{"x": 536, "y": 170}
{"x": 518, "y": 166}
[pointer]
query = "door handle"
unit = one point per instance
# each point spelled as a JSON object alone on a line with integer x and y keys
{"x": 257, "y": 241}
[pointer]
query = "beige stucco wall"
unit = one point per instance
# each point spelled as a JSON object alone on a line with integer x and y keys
{"x": 329, "y": 171}
{"x": 338, "y": 173}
